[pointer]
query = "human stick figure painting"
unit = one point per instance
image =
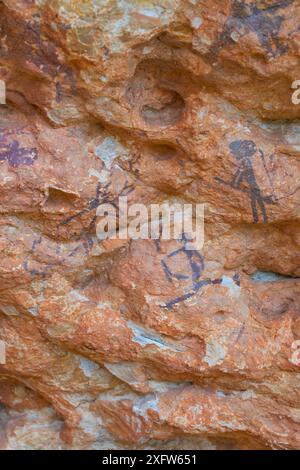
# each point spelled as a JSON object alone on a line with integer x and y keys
{"x": 244, "y": 152}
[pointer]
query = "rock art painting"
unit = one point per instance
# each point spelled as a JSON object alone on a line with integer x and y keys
{"x": 128, "y": 341}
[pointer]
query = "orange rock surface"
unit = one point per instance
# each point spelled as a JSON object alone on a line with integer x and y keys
{"x": 122, "y": 344}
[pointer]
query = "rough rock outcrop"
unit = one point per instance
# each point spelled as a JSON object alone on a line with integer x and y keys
{"x": 132, "y": 343}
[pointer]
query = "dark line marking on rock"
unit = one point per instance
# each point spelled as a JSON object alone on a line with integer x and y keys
{"x": 244, "y": 151}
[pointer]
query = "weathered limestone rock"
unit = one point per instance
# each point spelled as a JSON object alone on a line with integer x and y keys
{"x": 134, "y": 344}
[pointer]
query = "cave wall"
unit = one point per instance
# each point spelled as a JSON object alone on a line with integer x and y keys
{"x": 135, "y": 343}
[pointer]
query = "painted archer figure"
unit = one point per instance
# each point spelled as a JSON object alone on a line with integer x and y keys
{"x": 195, "y": 264}
{"x": 244, "y": 152}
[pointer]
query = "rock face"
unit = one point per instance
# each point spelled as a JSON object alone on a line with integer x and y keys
{"x": 136, "y": 343}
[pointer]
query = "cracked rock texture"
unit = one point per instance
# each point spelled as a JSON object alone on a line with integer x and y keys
{"x": 140, "y": 344}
